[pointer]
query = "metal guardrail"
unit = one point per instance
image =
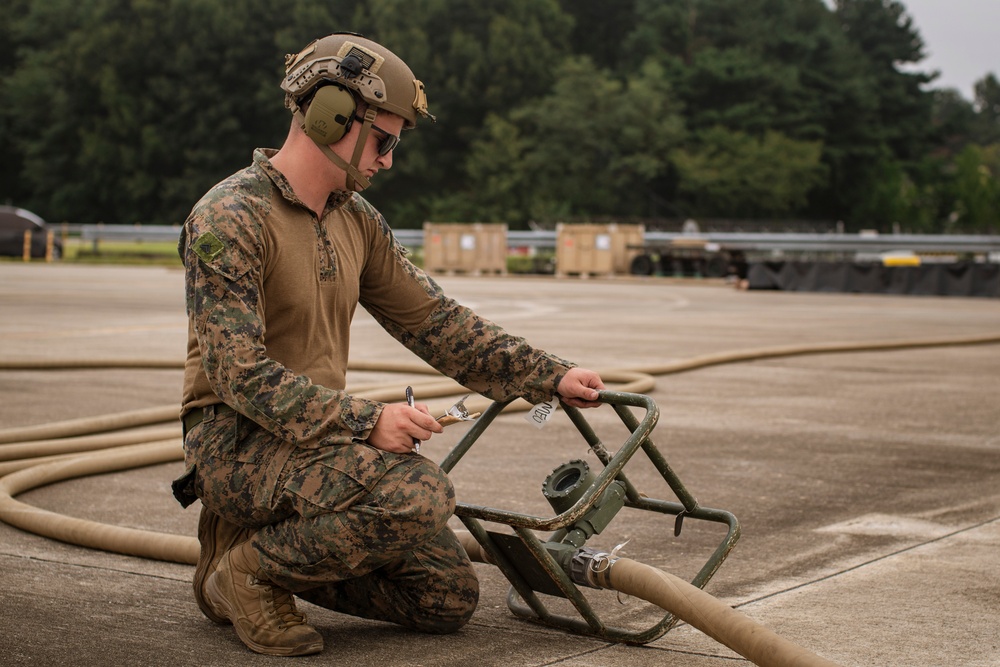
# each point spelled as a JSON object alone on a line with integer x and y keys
{"x": 411, "y": 238}
{"x": 745, "y": 241}
{"x": 152, "y": 233}
{"x": 868, "y": 243}
{"x": 790, "y": 242}
{"x": 414, "y": 238}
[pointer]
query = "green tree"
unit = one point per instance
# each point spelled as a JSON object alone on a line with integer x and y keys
{"x": 889, "y": 39}
{"x": 898, "y": 128}
{"x": 953, "y": 121}
{"x": 476, "y": 58}
{"x": 125, "y": 110}
{"x": 987, "y": 105}
{"x": 976, "y": 189}
{"x": 660, "y": 29}
{"x": 12, "y": 190}
{"x": 599, "y": 33}
{"x": 139, "y": 106}
{"x": 595, "y": 145}
{"x": 749, "y": 65}
{"x": 758, "y": 66}
{"x": 733, "y": 173}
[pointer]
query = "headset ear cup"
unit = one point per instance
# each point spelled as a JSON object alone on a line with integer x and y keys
{"x": 329, "y": 115}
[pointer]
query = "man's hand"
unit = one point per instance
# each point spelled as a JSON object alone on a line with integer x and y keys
{"x": 579, "y": 388}
{"x": 399, "y": 424}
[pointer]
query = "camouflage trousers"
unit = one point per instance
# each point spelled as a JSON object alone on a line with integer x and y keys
{"x": 347, "y": 527}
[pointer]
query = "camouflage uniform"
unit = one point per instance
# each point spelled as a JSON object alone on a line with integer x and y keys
{"x": 338, "y": 522}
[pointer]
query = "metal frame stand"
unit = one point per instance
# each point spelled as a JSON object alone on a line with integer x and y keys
{"x": 528, "y": 562}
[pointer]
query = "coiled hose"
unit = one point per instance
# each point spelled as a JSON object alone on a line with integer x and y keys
{"x": 35, "y": 456}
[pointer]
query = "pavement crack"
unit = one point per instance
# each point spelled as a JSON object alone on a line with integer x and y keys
{"x": 866, "y": 563}
{"x": 99, "y": 568}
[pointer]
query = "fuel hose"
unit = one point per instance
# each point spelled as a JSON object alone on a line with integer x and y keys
{"x": 16, "y": 443}
{"x": 35, "y": 456}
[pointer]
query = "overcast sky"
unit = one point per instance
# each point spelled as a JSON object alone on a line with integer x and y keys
{"x": 961, "y": 38}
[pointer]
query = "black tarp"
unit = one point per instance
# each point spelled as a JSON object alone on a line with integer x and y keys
{"x": 959, "y": 279}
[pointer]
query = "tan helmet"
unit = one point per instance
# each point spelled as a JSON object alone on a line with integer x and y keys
{"x": 376, "y": 74}
{"x": 325, "y": 81}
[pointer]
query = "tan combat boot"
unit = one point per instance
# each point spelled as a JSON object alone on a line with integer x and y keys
{"x": 264, "y": 616}
{"x": 217, "y": 536}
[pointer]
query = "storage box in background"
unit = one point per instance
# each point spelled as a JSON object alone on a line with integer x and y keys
{"x": 592, "y": 249}
{"x": 472, "y": 248}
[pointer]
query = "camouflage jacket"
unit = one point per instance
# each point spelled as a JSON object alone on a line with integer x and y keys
{"x": 271, "y": 291}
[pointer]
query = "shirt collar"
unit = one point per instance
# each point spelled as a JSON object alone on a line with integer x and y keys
{"x": 262, "y": 158}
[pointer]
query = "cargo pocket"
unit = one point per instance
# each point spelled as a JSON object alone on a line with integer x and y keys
{"x": 334, "y": 490}
{"x": 234, "y": 456}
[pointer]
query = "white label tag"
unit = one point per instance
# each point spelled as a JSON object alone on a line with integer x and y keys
{"x": 540, "y": 414}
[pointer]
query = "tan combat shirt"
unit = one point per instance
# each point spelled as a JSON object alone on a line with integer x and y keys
{"x": 271, "y": 291}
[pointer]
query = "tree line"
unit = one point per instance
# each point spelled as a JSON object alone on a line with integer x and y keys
{"x": 126, "y": 111}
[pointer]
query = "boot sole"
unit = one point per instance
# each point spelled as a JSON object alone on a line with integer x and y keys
{"x": 221, "y": 607}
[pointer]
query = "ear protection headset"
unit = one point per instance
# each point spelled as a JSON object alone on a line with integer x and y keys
{"x": 330, "y": 114}
{"x": 328, "y": 117}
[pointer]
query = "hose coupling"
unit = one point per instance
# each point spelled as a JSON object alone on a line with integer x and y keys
{"x": 592, "y": 568}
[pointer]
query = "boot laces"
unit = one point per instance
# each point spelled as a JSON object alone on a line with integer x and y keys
{"x": 282, "y": 602}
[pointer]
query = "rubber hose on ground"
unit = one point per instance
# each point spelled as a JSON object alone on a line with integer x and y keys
{"x": 693, "y": 606}
{"x": 639, "y": 380}
{"x": 779, "y": 351}
{"x": 129, "y": 541}
{"x": 708, "y": 614}
{"x": 34, "y": 448}
{"x": 47, "y": 439}
{"x": 183, "y": 549}
{"x": 60, "y": 460}
{"x": 87, "y": 425}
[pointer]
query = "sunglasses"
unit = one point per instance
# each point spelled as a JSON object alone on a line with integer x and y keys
{"x": 387, "y": 143}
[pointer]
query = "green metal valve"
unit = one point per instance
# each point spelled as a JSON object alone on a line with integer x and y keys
{"x": 565, "y": 486}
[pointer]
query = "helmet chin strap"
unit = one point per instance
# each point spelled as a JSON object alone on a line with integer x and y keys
{"x": 359, "y": 148}
{"x": 354, "y": 177}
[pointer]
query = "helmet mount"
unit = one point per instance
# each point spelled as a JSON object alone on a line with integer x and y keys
{"x": 350, "y": 66}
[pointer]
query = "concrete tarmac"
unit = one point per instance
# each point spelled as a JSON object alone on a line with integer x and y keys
{"x": 867, "y": 484}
